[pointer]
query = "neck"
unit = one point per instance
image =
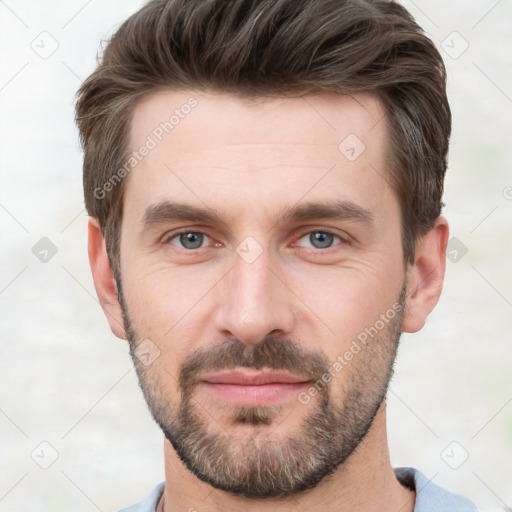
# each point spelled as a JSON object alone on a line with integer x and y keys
{"x": 366, "y": 481}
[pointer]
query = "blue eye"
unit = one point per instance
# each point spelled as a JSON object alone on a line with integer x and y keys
{"x": 189, "y": 239}
{"x": 320, "y": 239}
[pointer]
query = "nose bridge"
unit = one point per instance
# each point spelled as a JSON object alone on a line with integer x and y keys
{"x": 253, "y": 301}
{"x": 252, "y": 282}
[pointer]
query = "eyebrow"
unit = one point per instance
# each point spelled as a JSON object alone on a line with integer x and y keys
{"x": 337, "y": 210}
{"x": 167, "y": 211}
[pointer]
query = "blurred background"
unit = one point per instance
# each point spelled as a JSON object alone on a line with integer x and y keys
{"x": 75, "y": 433}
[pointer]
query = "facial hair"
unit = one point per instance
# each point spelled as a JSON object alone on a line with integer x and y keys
{"x": 258, "y": 464}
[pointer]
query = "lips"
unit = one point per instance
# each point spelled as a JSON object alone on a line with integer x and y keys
{"x": 242, "y": 378}
{"x": 251, "y": 389}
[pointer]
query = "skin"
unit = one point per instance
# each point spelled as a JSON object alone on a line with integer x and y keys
{"x": 247, "y": 160}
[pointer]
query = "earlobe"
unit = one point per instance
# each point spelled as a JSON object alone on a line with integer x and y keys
{"x": 103, "y": 277}
{"x": 425, "y": 277}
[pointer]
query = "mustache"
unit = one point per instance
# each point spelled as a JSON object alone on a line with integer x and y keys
{"x": 271, "y": 353}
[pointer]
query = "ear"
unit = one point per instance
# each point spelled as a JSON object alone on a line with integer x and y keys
{"x": 425, "y": 276}
{"x": 104, "y": 281}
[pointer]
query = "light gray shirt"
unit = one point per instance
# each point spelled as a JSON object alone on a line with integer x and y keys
{"x": 429, "y": 496}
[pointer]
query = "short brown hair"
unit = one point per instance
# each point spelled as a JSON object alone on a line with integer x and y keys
{"x": 273, "y": 48}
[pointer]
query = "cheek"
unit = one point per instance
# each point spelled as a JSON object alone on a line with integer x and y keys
{"x": 160, "y": 296}
{"x": 168, "y": 306}
{"x": 347, "y": 300}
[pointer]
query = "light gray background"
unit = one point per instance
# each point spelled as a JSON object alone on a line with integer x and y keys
{"x": 67, "y": 381}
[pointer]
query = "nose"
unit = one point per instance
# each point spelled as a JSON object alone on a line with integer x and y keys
{"x": 254, "y": 302}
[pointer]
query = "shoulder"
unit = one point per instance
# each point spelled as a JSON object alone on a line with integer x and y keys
{"x": 149, "y": 503}
{"x": 430, "y": 496}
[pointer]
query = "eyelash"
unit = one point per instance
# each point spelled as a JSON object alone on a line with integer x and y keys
{"x": 342, "y": 240}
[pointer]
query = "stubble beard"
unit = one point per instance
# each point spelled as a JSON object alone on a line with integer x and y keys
{"x": 257, "y": 463}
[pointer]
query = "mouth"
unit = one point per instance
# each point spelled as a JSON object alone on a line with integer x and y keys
{"x": 251, "y": 389}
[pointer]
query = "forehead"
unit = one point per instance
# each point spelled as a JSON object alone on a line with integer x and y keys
{"x": 211, "y": 146}
{"x": 202, "y": 120}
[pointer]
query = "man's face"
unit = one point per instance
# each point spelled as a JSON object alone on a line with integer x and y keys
{"x": 258, "y": 237}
